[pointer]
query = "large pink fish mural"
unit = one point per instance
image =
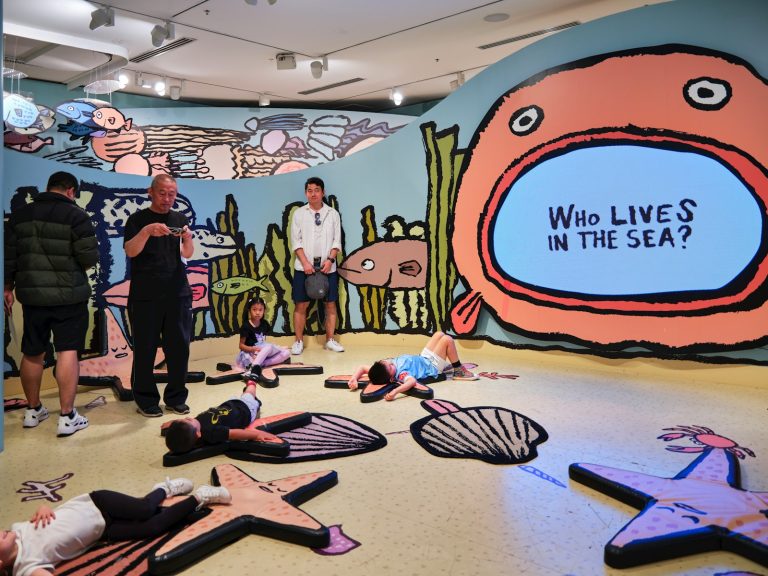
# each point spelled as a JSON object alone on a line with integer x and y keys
{"x": 619, "y": 200}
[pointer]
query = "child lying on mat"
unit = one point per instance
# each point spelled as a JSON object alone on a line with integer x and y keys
{"x": 438, "y": 356}
{"x": 34, "y": 548}
{"x": 255, "y": 351}
{"x": 216, "y": 425}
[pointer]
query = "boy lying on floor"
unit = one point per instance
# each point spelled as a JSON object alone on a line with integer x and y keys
{"x": 438, "y": 356}
{"x": 227, "y": 421}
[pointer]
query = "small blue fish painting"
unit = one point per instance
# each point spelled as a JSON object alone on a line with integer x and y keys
{"x": 78, "y": 111}
{"x": 18, "y": 111}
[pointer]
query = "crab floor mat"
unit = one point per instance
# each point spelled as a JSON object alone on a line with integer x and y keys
{"x": 488, "y": 433}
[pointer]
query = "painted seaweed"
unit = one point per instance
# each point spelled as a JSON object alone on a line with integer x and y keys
{"x": 443, "y": 162}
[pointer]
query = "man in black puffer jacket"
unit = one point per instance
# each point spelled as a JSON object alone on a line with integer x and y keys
{"x": 49, "y": 245}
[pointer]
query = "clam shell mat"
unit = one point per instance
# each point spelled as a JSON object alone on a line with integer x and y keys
{"x": 326, "y": 436}
{"x": 488, "y": 433}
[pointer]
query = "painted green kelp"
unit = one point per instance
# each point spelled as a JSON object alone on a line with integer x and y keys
{"x": 443, "y": 161}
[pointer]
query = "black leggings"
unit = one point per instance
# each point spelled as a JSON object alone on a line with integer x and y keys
{"x": 131, "y": 518}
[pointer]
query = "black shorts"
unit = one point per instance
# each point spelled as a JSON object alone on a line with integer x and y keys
{"x": 300, "y": 293}
{"x": 69, "y": 324}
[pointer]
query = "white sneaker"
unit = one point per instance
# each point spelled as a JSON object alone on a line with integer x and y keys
{"x": 69, "y": 425}
{"x": 212, "y": 495}
{"x": 175, "y": 487}
{"x": 297, "y": 348}
{"x": 33, "y": 417}
{"x": 334, "y": 346}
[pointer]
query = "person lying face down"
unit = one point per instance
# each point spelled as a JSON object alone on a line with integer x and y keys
{"x": 439, "y": 356}
{"x": 227, "y": 421}
{"x": 35, "y": 547}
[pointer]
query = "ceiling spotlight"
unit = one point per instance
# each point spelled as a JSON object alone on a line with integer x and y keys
{"x": 319, "y": 66}
{"x": 459, "y": 81}
{"x": 162, "y": 33}
{"x": 122, "y": 79}
{"x": 317, "y": 69}
{"x": 160, "y": 87}
{"x": 396, "y": 96}
{"x": 264, "y": 100}
{"x": 102, "y": 17}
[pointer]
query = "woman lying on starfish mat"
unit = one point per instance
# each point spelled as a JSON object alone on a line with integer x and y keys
{"x": 34, "y": 547}
{"x": 438, "y": 356}
{"x": 227, "y": 421}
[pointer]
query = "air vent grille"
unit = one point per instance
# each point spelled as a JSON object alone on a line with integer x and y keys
{"x": 329, "y": 86}
{"x": 162, "y": 50}
{"x": 529, "y": 35}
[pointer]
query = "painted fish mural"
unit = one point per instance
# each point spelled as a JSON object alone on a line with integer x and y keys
{"x": 393, "y": 264}
{"x": 601, "y": 226}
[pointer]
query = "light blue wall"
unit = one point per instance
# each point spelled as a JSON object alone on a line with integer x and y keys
{"x": 392, "y": 175}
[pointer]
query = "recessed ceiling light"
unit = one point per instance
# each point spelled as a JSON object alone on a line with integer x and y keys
{"x": 497, "y": 17}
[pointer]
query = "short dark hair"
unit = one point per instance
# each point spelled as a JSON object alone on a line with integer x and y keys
{"x": 180, "y": 437}
{"x": 316, "y": 181}
{"x": 63, "y": 181}
{"x": 378, "y": 373}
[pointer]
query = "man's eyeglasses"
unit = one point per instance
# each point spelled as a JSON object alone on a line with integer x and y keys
{"x": 317, "y": 218}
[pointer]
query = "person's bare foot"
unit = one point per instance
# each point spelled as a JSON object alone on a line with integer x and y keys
{"x": 389, "y": 396}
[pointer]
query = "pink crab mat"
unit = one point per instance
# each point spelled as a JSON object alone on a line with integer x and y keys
{"x": 702, "y": 508}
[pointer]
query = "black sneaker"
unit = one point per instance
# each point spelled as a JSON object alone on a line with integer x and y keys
{"x": 178, "y": 409}
{"x": 150, "y": 411}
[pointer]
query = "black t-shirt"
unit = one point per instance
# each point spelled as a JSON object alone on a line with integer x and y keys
{"x": 157, "y": 271}
{"x": 215, "y": 423}
{"x": 255, "y": 336}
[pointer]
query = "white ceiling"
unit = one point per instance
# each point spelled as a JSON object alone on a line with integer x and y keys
{"x": 417, "y": 45}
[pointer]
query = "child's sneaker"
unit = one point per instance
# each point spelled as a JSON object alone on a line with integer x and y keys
{"x": 297, "y": 347}
{"x": 175, "y": 487}
{"x": 33, "y": 416}
{"x": 207, "y": 495}
{"x": 68, "y": 425}
{"x": 462, "y": 373}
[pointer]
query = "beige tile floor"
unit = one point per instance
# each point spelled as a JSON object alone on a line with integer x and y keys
{"x": 414, "y": 513}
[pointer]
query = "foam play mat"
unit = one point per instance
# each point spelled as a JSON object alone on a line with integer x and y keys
{"x": 11, "y": 404}
{"x": 488, "y": 433}
{"x": 326, "y": 436}
{"x": 267, "y": 443}
{"x": 113, "y": 366}
{"x": 268, "y": 508}
{"x": 270, "y": 375}
{"x": 702, "y": 508}
{"x": 300, "y": 436}
{"x": 126, "y": 558}
{"x": 372, "y": 392}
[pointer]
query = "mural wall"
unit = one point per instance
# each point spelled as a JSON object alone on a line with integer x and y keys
{"x": 603, "y": 190}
